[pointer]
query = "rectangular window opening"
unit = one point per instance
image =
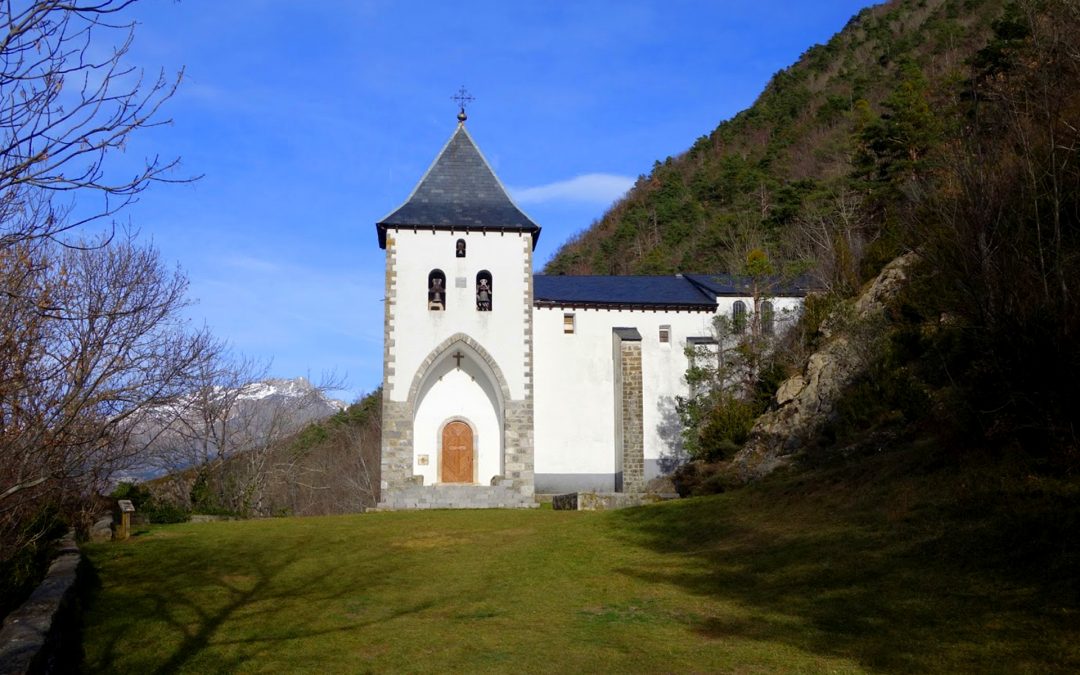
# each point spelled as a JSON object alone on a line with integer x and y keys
{"x": 568, "y": 323}
{"x": 665, "y": 334}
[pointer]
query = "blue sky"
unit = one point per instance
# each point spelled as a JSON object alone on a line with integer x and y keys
{"x": 309, "y": 121}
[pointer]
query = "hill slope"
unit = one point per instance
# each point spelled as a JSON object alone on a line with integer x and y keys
{"x": 944, "y": 127}
{"x": 787, "y": 158}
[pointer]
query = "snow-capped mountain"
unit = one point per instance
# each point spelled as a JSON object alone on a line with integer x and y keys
{"x": 296, "y": 388}
{"x": 221, "y": 421}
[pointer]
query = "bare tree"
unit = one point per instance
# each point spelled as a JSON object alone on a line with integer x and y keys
{"x": 92, "y": 344}
{"x": 91, "y": 339}
{"x": 65, "y": 104}
{"x": 340, "y": 476}
{"x": 835, "y": 238}
{"x": 226, "y": 433}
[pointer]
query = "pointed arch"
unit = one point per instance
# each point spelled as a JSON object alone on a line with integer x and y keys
{"x": 444, "y": 350}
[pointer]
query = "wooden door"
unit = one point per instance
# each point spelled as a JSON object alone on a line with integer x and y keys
{"x": 457, "y": 453}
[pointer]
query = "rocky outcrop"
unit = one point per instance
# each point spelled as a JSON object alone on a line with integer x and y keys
{"x": 806, "y": 401}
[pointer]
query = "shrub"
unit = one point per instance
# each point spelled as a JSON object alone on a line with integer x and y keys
{"x": 138, "y": 494}
{"x": 696, "y": 479}
{"x": 155, "y": 509}
{"x": 725, "y": 429}
{"x": 165, "y": 512}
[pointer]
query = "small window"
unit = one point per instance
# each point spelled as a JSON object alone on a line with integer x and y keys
{"x": 436, "y": 295}
{"x": 665, "y": 334}
{"x": 568, "y": 322}
{"x": 483, "y": 291}
{"x": 738, "y": 317}
{"x": 767, "y": 327}
{"x": 459, "y": 248}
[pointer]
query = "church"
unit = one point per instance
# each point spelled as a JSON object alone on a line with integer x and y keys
{"x": 500, "y": 384}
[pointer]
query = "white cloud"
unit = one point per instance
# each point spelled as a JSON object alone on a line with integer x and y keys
{"x": 598, "y": 188}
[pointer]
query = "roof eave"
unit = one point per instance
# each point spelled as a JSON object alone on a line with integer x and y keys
{"x": 533, "y": 229}
{"x": 631, "y": 306}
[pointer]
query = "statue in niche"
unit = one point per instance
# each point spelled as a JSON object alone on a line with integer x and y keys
{"x": 483, "y": 295}
{"x": 460, "y": 248}
{"x": 435, "y": 293}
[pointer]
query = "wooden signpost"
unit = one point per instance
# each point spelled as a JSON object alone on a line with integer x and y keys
{"x": 126, "y": 509}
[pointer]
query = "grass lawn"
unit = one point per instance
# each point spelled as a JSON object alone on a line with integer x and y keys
{"x": 891, "y": 565}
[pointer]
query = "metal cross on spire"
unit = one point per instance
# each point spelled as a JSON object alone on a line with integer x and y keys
{"x": 462, "y": 98}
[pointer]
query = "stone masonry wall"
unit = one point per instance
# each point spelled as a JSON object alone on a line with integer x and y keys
{"x": 397, "y": 443}
{"x": 43, "y": 634}
{"x": 396, "y": 463}
{"x": 518, "y": 450}
{"x": 501, "y": 496}
{"x": 632, "y": 402}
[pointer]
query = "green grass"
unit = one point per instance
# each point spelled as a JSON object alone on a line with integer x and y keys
{"x": 890, "y": 564}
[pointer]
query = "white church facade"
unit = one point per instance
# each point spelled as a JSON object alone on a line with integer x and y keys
{"x": 499, "y": 383}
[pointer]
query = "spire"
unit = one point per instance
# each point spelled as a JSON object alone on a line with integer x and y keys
{"x": 459, "y": 191}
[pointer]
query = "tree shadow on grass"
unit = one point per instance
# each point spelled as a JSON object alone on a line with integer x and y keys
{"x": 204, "y": 594}
{"x": 934, "y": 588}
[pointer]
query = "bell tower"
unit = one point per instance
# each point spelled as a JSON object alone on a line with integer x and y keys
{"x": 457, "y": 426}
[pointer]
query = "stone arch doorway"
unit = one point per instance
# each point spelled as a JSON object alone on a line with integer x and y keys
{"x": 459, "y": 381}
{"x": 458, "y": 453}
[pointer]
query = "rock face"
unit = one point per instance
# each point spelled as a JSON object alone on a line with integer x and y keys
{"x": 807, "y": 400}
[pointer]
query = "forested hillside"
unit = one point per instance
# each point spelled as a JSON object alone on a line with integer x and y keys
{"x": 945, "y": 128}
{"x": 780, "y": 174}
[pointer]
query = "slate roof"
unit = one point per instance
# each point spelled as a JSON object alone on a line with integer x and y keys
{"x": 459, "y": 192}
{"x": 732, "y": 284}
{"x": 681, "y": 291}
{"x": 673, "y": 292}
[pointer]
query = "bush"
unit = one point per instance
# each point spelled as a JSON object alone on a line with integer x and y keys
{"x": 138, "y": 494}
{"x": 155, "y": 509}
{"x": 165, "y": 512}
{"x": 726, "y": 429}
{"x": 696, "y": 479}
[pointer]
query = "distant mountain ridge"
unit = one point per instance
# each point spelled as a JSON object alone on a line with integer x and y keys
{"x": 259, "y": 412}
{"x": 295, "y": 388}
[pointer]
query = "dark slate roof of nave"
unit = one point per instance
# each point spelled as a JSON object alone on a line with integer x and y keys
{"x": 459, "y": 191}
{"x": 691, "y": 292}
{"x": 733, "y": 284}
{"x": 629, "y": 291}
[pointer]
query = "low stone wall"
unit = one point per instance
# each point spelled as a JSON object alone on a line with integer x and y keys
{"x": 204, "y": 518}
{"x": 42, "y": 636}
{"x": 604, "y": 501}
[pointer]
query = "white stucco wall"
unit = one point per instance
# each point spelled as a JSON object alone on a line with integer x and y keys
{"x": 575, "y": 380}
{"x": 416, "y": 330}
{"x": 574, "y": 395}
